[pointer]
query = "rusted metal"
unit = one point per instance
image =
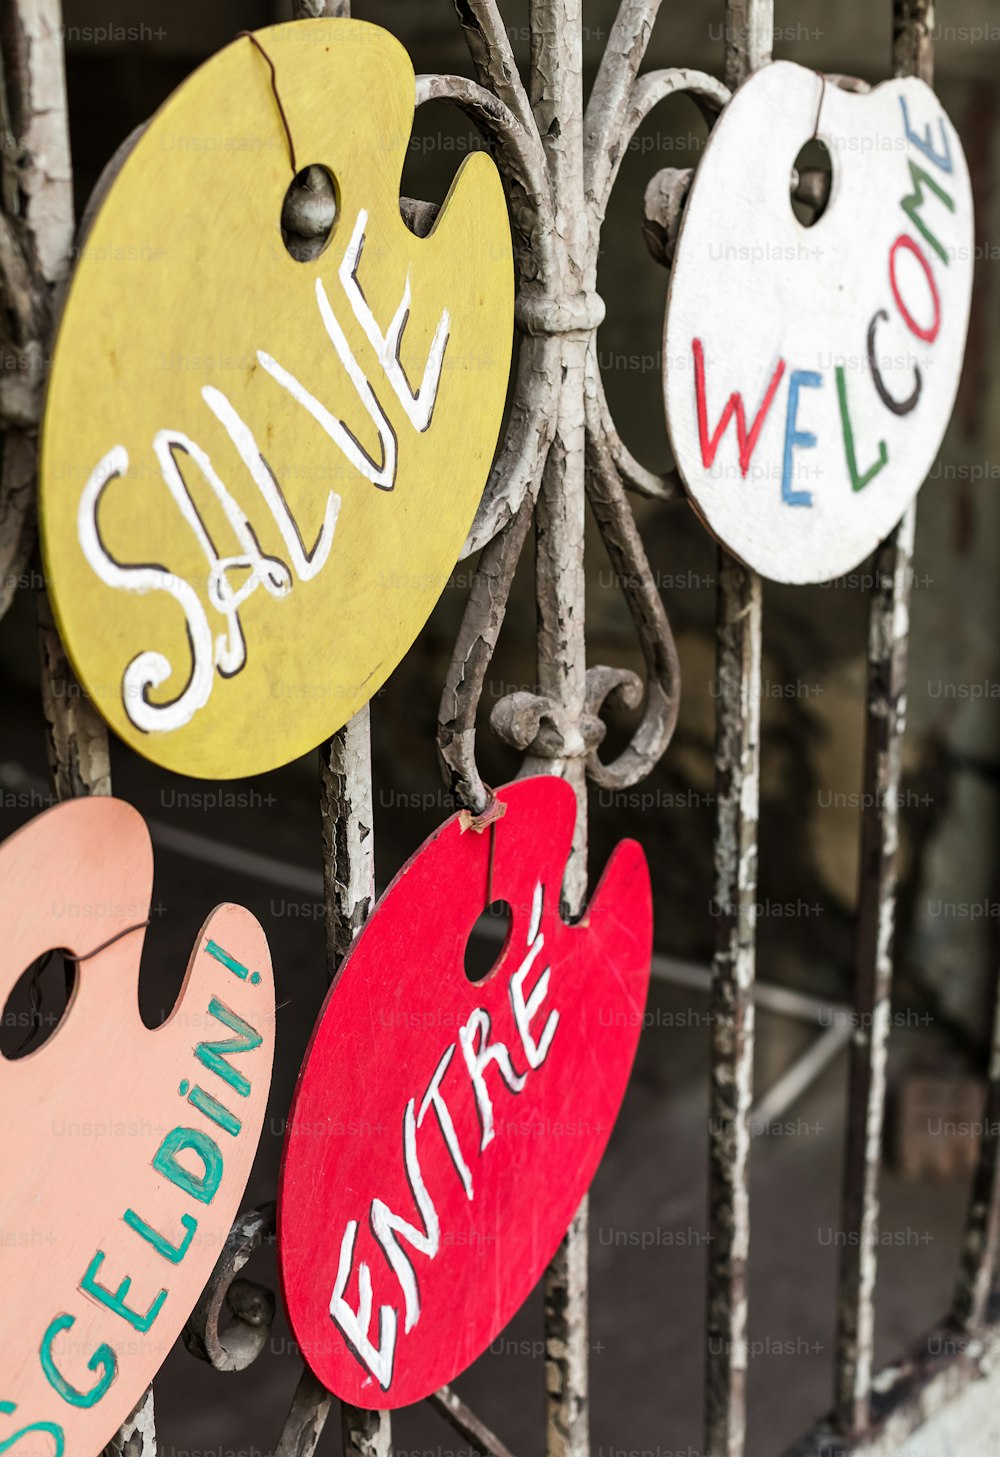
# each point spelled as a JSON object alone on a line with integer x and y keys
{"x": 560, "y": 164}
{"x": 737, "y": 761}
{"x": 347, "y": 816}
{"x": 306, "y": 1418}
{"x": 36, "y": 242}
{"x": 346, "y": 812}
{"x": 885, "y": 721}
{"x": 981, "y": 1240}
{"x": 748, "y": 36}
{"x": 557, "y": 103}
{"x": 884, "y": 724}
{"x": 251, "y": 1306}
{"x": 465, "y": 1422}
{"x": 913, "y": 39}
{"x": 915, "y": 1389}
{"x": 36, "y": 246}
{"x": 136, "y": 1437}
{"x": 346, "y": 808}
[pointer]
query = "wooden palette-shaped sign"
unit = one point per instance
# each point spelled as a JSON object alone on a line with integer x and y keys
{"x": 257, "y": 473}
{"x": 812, "y": 370}
{"x": 444, "y": 1131}
{"x": 126, "y": 1150}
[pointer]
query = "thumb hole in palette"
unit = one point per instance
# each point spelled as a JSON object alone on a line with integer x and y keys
{"x": 37, "y": 1004}
{"x": 488, "y": 940}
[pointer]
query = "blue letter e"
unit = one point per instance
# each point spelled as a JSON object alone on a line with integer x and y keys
{"x": 804, "y": 439}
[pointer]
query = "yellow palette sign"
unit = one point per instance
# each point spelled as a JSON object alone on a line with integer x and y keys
{"x": 257, "y": 473}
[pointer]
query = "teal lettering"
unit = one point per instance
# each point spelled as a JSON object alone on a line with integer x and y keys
{"x": 173, "y": 1253}
{"x": 213, "y": 1109}
{"x": 104, "y": 1357}
{"x": 115, "y": 1300}
{"x": 229, "y": 962}
{"x": 165, "y": 1162}
{"x": 7, "y": 1408}
{"x": 209, "y": 1054}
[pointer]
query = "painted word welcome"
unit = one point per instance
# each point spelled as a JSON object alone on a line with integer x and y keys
{"x": 822, "y": 367}
{"x": 125, "y": 1164}
{"x": 416, "y": 1164}
{"x": 256, "y": 472}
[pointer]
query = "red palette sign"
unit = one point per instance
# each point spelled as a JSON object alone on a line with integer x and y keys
{"x": 126, "y": 1149}
{"x": 444, "y": 1131}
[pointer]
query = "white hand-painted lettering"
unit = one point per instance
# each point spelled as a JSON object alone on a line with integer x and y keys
{"x": 524, "y": 1011}
{"x": 356, "y": 1324}
{"x": 387, "y": 1227}
{"x": 226, "y": 652}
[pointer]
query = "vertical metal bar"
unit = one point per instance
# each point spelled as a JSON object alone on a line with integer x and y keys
{"x": 877, "y": 872}
{"x": 737, "y": 761}
{"x": 557, "y": 103}
{"x": 978, "y": 1261}
{"x": 888, "y": 628}
{"x": 913, "y": 39}
{"x": 38, "y": 207}
{"x": 749, "y": 38}
{"x": 348, "y": 836}
{"x": 76, "y": 736}
{"x": 749, "y": 33}
{"x": 136, "y": 1437}
{"x": 348, "y": 892}
{"x": 315, "y": 9}
{"x": 38, "y": 191}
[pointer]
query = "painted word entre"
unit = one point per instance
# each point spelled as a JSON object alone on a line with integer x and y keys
{"x": 478, "y": 1053}
{"x": 257, "y": 472}
{"x": 820, "y": 379}
{"x": 447, "y": 1144}
{"x": 128, "y": 1149}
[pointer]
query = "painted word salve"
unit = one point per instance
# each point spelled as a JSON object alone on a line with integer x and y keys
{"x": 444, "y": 1130}
{"x": 811, "y": 371}
{"x": 258, "y": 472}
{"x": 126, "y": 1150}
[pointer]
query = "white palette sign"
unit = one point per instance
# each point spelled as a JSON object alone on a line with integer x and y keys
{"x": 811, "y": 371}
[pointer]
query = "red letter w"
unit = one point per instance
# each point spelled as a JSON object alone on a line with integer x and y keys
{"x": 734, "y": 406}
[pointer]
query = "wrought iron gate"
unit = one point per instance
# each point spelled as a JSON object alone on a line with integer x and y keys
{"x": 560, "y": 159}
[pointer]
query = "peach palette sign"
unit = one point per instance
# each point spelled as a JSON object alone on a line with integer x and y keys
{"x": 444, "y": 1130}
{"x": 126, "y": 1150}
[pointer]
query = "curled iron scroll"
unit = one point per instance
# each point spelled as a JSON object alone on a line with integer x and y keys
{"x": 251, "y": 1306}
{"x": 548, "y": 306}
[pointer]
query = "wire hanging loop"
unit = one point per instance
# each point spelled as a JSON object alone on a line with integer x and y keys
{"x": 488, "y": 820}
{"x": 34, "y": 985}
{"x": 819, "y": 109}
{"x": 277, "y": 97}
